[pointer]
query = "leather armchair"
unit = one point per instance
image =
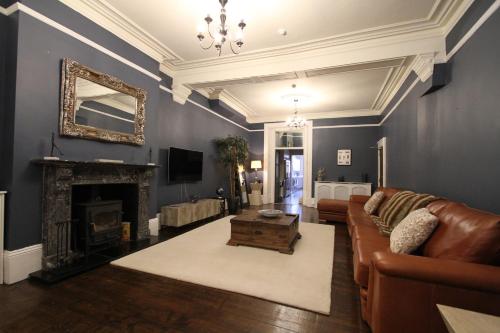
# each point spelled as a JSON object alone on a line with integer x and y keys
{"x": 404, "y": 289}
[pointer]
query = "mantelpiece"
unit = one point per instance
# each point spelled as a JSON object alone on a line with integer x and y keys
{"x": 59, "y": 178}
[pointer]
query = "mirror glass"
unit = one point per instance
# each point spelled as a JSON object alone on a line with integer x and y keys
{"x": 104, "y": 108}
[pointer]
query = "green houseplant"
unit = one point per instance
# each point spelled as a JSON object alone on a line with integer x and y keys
{"x": 232, "y": 151}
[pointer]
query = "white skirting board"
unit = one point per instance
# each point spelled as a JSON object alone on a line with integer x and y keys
{"x": 18, "y": 264}
{"x": 154, "y": 225}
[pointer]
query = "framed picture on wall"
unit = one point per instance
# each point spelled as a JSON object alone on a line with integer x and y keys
{"x": 344, "y": 157}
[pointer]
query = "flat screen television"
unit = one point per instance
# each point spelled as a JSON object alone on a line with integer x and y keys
{"x": 184, "y": 165}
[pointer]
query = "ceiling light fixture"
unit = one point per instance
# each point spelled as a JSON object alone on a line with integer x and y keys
{"x": 295, "y": 121}
{"x": 221, "y": 34}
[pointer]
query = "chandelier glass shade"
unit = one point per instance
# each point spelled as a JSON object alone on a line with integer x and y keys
{"x": 220, "y": 36}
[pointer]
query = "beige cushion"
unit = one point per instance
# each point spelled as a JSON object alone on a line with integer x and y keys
{"x": 375, "y": 200}
{"x": 413, "y": 231}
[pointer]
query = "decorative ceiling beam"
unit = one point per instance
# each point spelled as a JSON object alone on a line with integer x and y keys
{"x": 357, "y": 53}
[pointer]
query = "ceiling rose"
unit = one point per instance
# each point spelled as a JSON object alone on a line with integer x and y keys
{"x": 220, "y": 36}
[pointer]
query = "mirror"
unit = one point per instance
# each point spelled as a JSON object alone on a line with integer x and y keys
{"x": 100, "y": 107}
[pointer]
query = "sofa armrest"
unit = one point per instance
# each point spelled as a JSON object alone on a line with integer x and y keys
{"x": 403, "y": 291}
{"x": 359, "y": 198}
{"x": 448, "y": 272}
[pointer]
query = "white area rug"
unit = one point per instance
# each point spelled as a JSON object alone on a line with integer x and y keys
{"x": 201, "y": 256}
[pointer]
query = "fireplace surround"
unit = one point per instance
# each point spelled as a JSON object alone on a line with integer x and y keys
{"x": 58, "y": 220}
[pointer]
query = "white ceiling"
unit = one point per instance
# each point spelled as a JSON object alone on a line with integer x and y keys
{"x": 174, "y": 22}
{"x": 350, "y": 56}
{"x": 355, "y": 90}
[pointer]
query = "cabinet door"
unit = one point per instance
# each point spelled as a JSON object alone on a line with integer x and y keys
{"x": 341, "y": 192}
{"x": 323, "y": 192}
{"x": 360, "y": 190}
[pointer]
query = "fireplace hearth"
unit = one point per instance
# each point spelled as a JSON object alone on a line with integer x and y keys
{"x": 84, "y": 204}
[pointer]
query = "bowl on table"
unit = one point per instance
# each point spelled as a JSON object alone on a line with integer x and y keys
{"x": 270, "y": 212}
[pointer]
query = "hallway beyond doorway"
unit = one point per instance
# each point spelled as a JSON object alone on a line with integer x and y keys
{"x": 289, "y": 173}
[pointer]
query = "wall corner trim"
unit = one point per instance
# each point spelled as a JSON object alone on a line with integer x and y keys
{"x": 18, "y": 264}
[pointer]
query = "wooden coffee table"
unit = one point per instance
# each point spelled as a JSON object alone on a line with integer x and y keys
{"x": 279, "y": 233}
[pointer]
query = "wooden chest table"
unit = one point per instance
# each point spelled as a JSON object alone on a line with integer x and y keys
{"x": 278, "y": 233}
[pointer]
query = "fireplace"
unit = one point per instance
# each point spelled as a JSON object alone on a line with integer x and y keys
{"x": 84, "y": 205}
{"x": 99, "y": 225}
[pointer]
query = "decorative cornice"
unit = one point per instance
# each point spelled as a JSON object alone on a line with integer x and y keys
{"x": 424, "y": 66}
{"x": 111, "y": 19}
{"x": 180, "y": 92}
{"x": 234, "y": 103}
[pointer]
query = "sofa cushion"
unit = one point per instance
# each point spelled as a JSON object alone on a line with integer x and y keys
{"x": 356, "y": 215}
{"x": 332, "y": 205}
{"x": 372, "y": 204}
{"x": 464, "y": 234}
{"x": 413, "y": 231}
{"x": 363, "y": 250}
{"x": 399, "y": 206}
{"x": 388, "y": 193}
{"x": 364, "y": 232}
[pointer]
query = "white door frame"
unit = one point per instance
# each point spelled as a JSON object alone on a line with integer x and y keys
{"x": 270, "y": 159}
{"x": 382, "y": 143}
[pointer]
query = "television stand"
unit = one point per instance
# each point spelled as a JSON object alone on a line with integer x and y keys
{"x": 188, "y": 212}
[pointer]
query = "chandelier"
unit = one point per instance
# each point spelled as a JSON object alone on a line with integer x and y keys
{"x": 220, "y": 36}
{"x": 295, "y": 121}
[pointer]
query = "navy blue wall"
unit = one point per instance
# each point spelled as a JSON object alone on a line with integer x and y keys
{"x": 34, "y": 67}
{"x": 446, "y": 143}
{"x": 8, "y": 38}
{"x": 191, "y": 127}
{"x": 360, "y": 140}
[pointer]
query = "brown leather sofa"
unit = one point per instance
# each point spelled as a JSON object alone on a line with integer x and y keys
{"x": 457, "y": 266}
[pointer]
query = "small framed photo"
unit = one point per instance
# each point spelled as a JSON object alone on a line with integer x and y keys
{"x": 344, "y": 157}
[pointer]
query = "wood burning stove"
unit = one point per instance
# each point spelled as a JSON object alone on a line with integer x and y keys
{"x": 99, "y": 224}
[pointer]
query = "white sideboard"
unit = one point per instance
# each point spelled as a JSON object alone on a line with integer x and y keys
{"x": 2, "y": 214}
{"x": 339, "y": 190}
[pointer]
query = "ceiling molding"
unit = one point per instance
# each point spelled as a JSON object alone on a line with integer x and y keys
{"x": 314, "y": 115}
{"x": 424, "y": 66}
{"x": 234, "y": 103}
{"x": 111, "y": 19}
{"x": 392, "y": 86}
{"x": 443, "y": 15}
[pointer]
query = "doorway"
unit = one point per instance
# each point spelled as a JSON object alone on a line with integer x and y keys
{"x": 281, "y": 141}
{"x": 289, "y": 176}
{"x": 382, "y": 162}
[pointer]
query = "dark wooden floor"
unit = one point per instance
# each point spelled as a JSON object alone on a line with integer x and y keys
{"x": 110, "y": 299}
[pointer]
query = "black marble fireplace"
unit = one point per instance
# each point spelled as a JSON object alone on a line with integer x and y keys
{"x": 84, "y": 205}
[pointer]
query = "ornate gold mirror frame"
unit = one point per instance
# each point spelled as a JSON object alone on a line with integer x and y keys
{"x": 71, "y": 70}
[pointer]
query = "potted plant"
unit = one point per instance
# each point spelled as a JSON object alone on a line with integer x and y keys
{"x": 232, "y": 151}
